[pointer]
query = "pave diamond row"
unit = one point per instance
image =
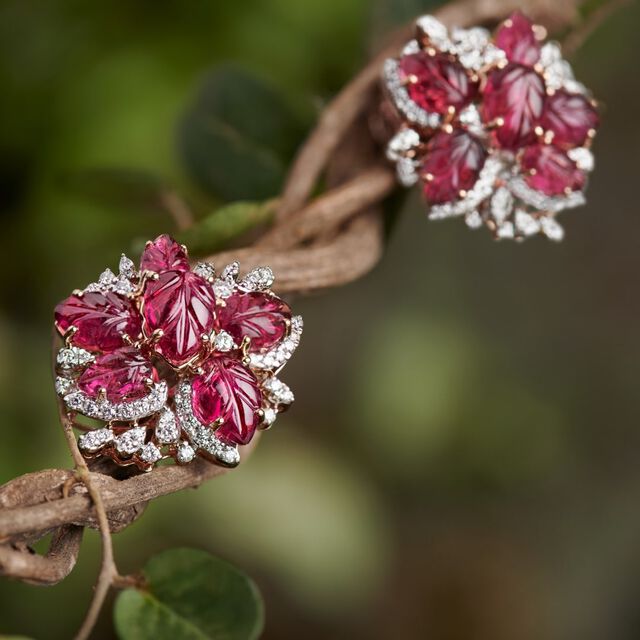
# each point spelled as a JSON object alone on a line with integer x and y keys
{"x": 200, "y": 435}
{"x": 279, "y": 355}
{"x": 76, "y": 400}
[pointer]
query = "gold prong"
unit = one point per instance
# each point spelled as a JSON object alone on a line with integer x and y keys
{"x": 68, "y": 335}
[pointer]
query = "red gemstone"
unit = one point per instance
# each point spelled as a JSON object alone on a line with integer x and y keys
{"x": 122, "y": 374}
{"x": 553, "y": 172}
{"x": 163, "y": 254}
{"x": 516, "y": 95}
{"x": 229, "y": 391}
{"x": 182, "y": 305}
{"x": 100, "y": 320}
{"x": 437, "y": 82}
{"x": 451, "y": 164}
{"x": 518, "y": 40}
{"x": 571, "y": 117}
{"x": 262, "y": 317}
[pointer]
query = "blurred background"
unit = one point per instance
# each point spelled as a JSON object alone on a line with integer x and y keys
{"x": 462, "y": 458}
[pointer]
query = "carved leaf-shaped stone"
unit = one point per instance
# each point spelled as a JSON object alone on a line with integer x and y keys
{"x": 100, "y": 320}
{"x": 182, "y": 306}
{"x": 513, "y": 102}
{"x": 164, "y": 254}
{"x": 260, "y": 316}
{"x": 122, "y": 374}
{"x": 230, "y": 392}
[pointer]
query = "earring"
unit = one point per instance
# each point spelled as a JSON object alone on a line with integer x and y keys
{"x": 495, "y": 128}
{"x": 173, "y": 362}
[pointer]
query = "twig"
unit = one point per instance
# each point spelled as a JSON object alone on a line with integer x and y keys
{"x": 108, "y": 570}
{"x": 177, "y": 208}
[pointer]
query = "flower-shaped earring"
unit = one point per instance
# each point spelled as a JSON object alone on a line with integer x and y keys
{"x": 496, "y": 129}
{"x": 176, "y": 362}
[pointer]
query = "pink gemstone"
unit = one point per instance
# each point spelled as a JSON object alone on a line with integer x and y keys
{"x": 100, "y": 320}
{"x": 515, "y": 94}
{"x": 260, "y": 316}
{"x": 163, "y": 254}
{"x": 553, "y": 172}
{"x": 571, "y": 117}
{"x": 123, "y": 374}
{"x": 229, "y": 391}
{"x": 517, "y": 39}
{"x": 182, "y": 305}
{"x": 451, "y": 164}
{"x": 437, "y": 82}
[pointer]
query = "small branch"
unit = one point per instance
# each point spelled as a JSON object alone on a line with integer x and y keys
{"x": 108, "y": 570}
{"x": 177, "y": 208}
{"x": 47, "y": 570}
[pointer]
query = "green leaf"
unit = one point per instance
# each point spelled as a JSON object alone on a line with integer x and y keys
{"x": 190, "y": 595}
{"x": 222, "y": 226}
{"x": 238, "y": 136}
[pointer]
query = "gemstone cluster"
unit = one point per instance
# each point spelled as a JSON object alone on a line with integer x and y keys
{"x": 174, "y": 362}
{"x": 495, "y": 127}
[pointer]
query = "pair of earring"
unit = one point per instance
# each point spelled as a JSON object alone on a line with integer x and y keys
{"x": 180, "y": 362}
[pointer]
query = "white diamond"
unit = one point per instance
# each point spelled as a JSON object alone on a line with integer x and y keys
{"x": 526, "y": 224}
{"x": 185, "y": 453}
{"x": 63, "y": 386}
{"x": 150, "y": 453}
{"x": 126, "y": 267}
{"x": 205, "y": 270}
{"x": 257, "y": 279}
{"x": 550, "y": 53}
{"x": 493, "y": 55}
{"x": 406, "y": 172}
{"x": 501, "y": 205}
{"x": 270, "y": 415}
{"x": 94, "y": 440}
{"x": 167, "y": 430}
{"x": 230, "y": 272}
{"x": 558, "y": 74}
{"x": 131, "y": 441}
{"x": 582, "y": 157}
{"x": 474, "y": 220}
{"x": 505, "y": 230}
{"x": 277, "y": 391}
{"x": 470, "y": 118}
{"x": 404, "y": 141}
{"x": 552, "y": 229}
{"x": 224, "y": 342}
{"x": 223, "y": 288}
{"x": 73, "y": 357}
{"x": 433, "y": 29}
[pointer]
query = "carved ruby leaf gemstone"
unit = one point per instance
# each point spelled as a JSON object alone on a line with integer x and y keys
{"x": 229, "y": 391}
{"x": 515, "y": 94}
{"x": 571, "y": 117}
{"x": 260, "y": 316}
{"x": 123, "y": 374}
{"x": 164, "y": 254}
{"x": 182, "y": 305}
{"x": 553, "y": 172}
{"x": 100, "y": 320}
{"x": 517, "y": 39}
{"x": 452, "y": 164}
{"x": 437, "y": 82}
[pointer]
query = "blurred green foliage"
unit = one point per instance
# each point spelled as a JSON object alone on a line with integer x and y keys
{"x": 462, "y": 453}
